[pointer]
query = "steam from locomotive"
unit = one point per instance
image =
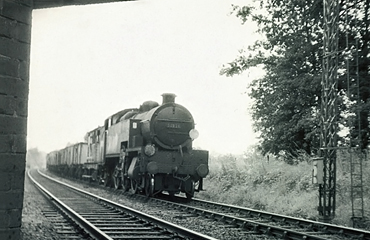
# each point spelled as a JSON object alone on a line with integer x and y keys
{"x": 146, "y": 149}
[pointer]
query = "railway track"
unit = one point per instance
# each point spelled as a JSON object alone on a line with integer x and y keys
{"x": 258, "y": 222}
{"x": 303, "y": 226}
{"x": 245, "y": 222}
{"x": 103, "y": 219}
{"x": 261, "y": 222}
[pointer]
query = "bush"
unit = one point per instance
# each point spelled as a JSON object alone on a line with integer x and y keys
{"x": 251, "y": 180}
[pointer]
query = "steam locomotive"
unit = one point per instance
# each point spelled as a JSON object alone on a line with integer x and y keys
{"x": 147, "y": 150}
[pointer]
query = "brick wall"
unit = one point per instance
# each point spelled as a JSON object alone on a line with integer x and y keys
{"x": 15, "y": 29}
{"x": 15, "y": 37}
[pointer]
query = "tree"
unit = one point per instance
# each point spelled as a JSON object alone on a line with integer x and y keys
{"x": 287, "y": 98}
{"x": 358, "y": 89}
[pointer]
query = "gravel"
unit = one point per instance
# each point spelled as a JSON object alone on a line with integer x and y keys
{"x": 36, "y": 226}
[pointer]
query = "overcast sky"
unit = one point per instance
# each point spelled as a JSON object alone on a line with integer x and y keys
{"x": 88, "y": 62}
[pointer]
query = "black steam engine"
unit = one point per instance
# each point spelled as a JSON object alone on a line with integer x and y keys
{"x": 147, "y": 149}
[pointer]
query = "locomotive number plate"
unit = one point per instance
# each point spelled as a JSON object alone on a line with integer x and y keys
{"x": 173, "y": 125}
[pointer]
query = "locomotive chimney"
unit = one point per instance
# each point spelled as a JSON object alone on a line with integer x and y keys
{"x": 168, "y": 98}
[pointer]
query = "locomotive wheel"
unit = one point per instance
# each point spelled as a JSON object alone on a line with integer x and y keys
{"x": 149, "y": 185}
{"x": 117, "y": 182}
{"x": 126, "y": 184}
{"x": 134, "y": 186}
{"x": 190, "y": 194}
{"x": 83, "y": 173}
{"x": 94, "y": 176}
{"x": 108, "y": 180}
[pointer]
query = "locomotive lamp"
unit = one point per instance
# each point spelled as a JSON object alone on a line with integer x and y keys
{"x": 202, "y": 170}
{"x": 149, "y": 150}
{"x": 194, "y": 134}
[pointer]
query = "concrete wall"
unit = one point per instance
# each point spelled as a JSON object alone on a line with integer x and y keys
{"x": 15, "y": 36}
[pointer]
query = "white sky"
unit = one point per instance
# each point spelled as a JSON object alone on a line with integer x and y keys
{"x": 88, "y": 62}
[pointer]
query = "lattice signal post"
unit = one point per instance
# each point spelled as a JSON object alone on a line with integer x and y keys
{"x": 328, "y": 120}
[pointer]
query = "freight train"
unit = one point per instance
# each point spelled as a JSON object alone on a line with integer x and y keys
{"x": 146, "y": 149}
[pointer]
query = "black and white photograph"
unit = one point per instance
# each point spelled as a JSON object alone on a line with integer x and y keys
{"x": 184, "y": 119}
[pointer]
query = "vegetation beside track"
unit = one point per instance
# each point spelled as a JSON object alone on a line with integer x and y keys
{"x": 252, "y": 180}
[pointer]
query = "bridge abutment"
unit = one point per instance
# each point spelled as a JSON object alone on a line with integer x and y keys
{"x": 15, "y": 43}
{"x": 15, "y": 38}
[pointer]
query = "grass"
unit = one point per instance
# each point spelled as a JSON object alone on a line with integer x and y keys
{"x": 250, "y": 180}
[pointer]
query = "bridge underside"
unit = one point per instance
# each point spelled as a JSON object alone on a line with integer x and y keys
{"x": 37, "y": 4}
